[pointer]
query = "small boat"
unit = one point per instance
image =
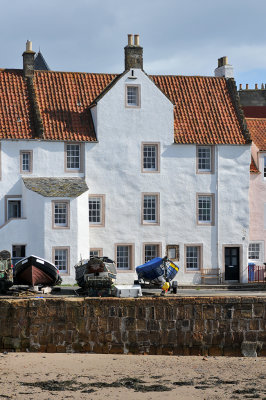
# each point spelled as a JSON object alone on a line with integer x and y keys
{"x": 95, "y": 272}
{"x": 35, "y": 271}
{"x": 158, "y": 271}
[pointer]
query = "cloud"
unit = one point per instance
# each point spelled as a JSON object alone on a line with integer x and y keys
{"x": 179, "y": 37}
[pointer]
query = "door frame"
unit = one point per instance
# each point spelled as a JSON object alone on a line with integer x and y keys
{"x": 240, "y": 246}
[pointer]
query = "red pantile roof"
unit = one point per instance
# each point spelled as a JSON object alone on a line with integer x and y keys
{"x": 205, "y": 108}
{"x": 16, "y": 119}
{"x": 205, "y": 111}
{"x": 257, "y": 129}
{"x": 253, "y": 167}
{"x": 64, "y": 100}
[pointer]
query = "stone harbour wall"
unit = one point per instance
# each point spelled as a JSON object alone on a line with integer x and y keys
{"x": 229, "y": 326}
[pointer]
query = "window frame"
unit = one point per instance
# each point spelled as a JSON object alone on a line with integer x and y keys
{"x": 157, "y": 209}
{"x": 157, "y": 156}
{"x": 212, "y": 159}
{"x": 199, "y": 246}
{"x": 264, "y": 167}
{"x": 81, "y": 157}
{"x": 177, "y": 251}
{"x": 159, "y": 249}
{"x": 57, "y": 226}
{"x": 138, "y": 105}
{"x": 131, "y": 246}
{"x": 102, "y": 210}
{"x": 212, "y": 221}
{"x": 98, "y": 249}
{"x": 12, "y": 198}
{"x": 30, "y": 153}
{"x": 261, "y": 251}
{"x": 64, "y": 248}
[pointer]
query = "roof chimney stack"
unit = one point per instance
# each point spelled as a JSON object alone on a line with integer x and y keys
{"x": 133, "y": 53}
{"x": 224, "y": 69}
{"x": 28, "y": 61}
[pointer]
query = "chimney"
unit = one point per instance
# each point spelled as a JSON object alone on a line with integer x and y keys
{"x": 28, "y": 61}
{"x": 224, "y": 69}
{"x": 133, "y": 53}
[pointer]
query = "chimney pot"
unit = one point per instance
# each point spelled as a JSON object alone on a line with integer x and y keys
{"x": 28, "y": 61}
{"x": 133, "y": 54}
{"x": 130, "y": 39}
{"x": 136, "y": 40}
{"x": 256, "y": 86}
{"x": 240, "y": 86}
{"x": 28, "y": 45}
{"x": 246, "y": 86}
{"x": 262, "y": 86}
{"x": 224, "y": 69}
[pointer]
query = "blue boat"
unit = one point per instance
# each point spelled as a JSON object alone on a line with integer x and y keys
{"x": 158, "y": 271}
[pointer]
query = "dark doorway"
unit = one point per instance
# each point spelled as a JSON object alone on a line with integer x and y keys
{"x": 231, "y": 263}
{"x": 18, "y": 252}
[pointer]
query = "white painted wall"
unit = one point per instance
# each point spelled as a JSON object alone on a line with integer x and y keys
{"x": 115, "y": 166}
{"x": 35, "y": 228}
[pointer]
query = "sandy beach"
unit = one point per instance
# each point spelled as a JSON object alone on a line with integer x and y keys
{"x": 47, "y": 376}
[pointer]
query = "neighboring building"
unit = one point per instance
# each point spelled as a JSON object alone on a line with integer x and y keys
{"x": 253, "y": 102}
{"x": 165, "y": 158}
{"x": 257, "y": 194}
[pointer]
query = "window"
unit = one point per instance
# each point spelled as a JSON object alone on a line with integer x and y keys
{"x": 151, "y": 250}
{"x": 124, "y": 256}
{"x": 97, "y": 210}
{"x": 13, "y": 207}
{"x": 254, "y": 251}
{"x": 73, "y": 157}
{"x": 150, "y": 204}
{"x": 150, "y": 157}
{"x": 96, "y": 252}
{"x": 25, "y": 161}
{"x": 205, "y": 159}
{"x": 61, "y": 259}
{"x": 205, "y": 209}
{"x": 172, "y": 251}
{"x": 60, "y": 214}
{"x": 264, "y": 170}
{"x": 193, "y": 257}
{"x": 133, "y": 96}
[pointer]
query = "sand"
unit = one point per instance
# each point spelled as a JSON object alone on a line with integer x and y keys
{"x": 95, "y": 376}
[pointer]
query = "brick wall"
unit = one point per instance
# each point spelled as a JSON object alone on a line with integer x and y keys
{"x": 181, "y": 326}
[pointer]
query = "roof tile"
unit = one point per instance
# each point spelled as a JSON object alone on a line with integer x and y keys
{"x": 257, "y": 129}
{"x": 204, "y": 109}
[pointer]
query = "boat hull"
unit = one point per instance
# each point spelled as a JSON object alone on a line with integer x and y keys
{"x": 36, "y": 271}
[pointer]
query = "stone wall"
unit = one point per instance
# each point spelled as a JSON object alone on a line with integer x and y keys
{"x": 230, "y": 326}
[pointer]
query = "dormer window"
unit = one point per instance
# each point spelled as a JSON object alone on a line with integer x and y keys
{"x": 132, "y": 95}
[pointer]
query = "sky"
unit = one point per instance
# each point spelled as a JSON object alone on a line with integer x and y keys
{"x": 179, "y": 37}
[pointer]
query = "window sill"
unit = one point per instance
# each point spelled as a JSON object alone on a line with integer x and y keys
{"x": 124, "y": 270}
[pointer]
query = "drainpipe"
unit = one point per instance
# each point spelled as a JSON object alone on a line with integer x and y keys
{"x": 217, "y": 208}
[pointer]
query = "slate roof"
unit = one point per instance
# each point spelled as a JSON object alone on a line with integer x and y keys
{"x": 206, "y": 109}
{"x": 56, "y": 187}
{"x": 39, "y": 63}
{"x": 257, "y": 129}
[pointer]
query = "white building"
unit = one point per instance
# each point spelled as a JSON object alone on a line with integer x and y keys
{"x": 164, "y": 161}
